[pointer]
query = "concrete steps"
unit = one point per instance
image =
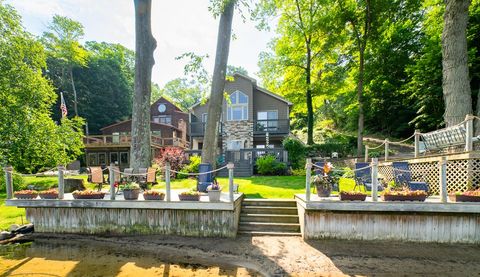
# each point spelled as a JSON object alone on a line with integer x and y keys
{"x": 274, "y": 217}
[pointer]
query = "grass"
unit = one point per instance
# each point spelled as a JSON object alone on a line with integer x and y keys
{"x": 10, "y": 215}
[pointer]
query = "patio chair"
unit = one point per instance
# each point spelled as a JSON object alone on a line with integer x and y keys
{"x": 126, "y": 176}
{"x": 363, "y": 177}
{"x": 143, "y": 179}
{"x": 95, "y": 176}
{"x": 403, "y": 176}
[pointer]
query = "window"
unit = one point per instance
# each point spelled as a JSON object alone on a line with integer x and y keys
{"x": 92, "y": 159}
{"x": 163, "y": 119}
{"x": 116, "y": 137}
{"x": 102, "y": 158}
{"x": 157, "y": 133}
{"x": 114, "y": 157}
{"x": 204, "y": 117}
{"x": 124, "y": 158}
{"x": 267, "y": 120}
{"x": 238, "y": 107}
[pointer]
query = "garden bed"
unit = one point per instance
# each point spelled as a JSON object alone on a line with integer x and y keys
{"x": 463, "y": 198}
{"x": 404, "y": 198}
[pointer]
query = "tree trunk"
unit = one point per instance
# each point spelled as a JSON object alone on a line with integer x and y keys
{"x": 309, "y": 98}
{"x": 477, "y": 122}
{"x": 145, "y": 44}
{"x": 215, "y": 102}
{"x": 360, "y": 103}
{"x": 456, "y": 84}
{"x": 74, "y": 92}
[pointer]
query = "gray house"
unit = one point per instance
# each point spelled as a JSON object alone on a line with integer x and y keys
{"x": 254, "y": 122}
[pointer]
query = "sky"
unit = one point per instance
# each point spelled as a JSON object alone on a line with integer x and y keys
{"x": 179, "y": 26}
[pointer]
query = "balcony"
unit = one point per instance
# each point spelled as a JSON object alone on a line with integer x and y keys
{"x": 271, "y": 126}
{"x": 197, "y": 129}
{"x": 105, "y": 141}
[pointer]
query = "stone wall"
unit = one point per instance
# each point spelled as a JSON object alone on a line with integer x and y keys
{"x": 238, "y": 130}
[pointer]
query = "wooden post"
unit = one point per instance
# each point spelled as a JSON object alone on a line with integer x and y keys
{"x": 308, "y": 174}
{"x": 366, "y": 153}
{"x": 469, "y": 133}
{"x": 9, "y": 181}
{"x": 443, "y": 179}
{"x": 167, "y": 181}
{"x": 111, "y": 177}
{"x": 417, "y": 143}
{"x": 386, "y": 149}
{"x": 61, "y": 182}
{"x": 374, "y": 179}
{"x": 230, "y": 167}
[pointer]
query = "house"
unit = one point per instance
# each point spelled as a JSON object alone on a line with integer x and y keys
{"x": 254, "y": 121}
{"x": 168, "y": 126}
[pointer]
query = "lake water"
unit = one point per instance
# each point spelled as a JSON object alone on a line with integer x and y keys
{"x": 56, "y": 259}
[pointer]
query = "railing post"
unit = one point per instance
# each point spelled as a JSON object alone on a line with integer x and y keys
{"x": 61, "y": 182}
{"x": 469, "y": 133}
{"x": 9, "y": 181}
{"x": 417, "y": 143}
{"x": 374, "y": 179}
{"x": 386, "y": 149}
{"x": 443, "y": 179}
{"x": 111, "y": 177}
{"x": 366, "y": 153}
{"x": 167, "y": 181}
{"x": 308, "y": 175}
{"x": 230, "y": 167}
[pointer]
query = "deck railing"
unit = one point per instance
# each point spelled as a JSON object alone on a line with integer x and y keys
{"x": 198, "y": 128}
{"x": 272, "y": 126}
{"x": 125, "y": 140}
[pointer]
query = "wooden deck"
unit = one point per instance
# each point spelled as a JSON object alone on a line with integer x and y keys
{"x": 122, "y": 141}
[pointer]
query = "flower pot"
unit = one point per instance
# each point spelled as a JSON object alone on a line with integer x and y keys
{"x": 153, "y": 196}
{"x": 189, "y": 197}
{"x": 463, "y": 198}
{"x": 404, "y": 197}
{"x": 26, "y": 196}
{"x": 352, "y": 197}
{"x": 98, "y": 195}
{"x": 214, "y": 195}
{"x": 322, "y": 191}
{"x": 48, "y": 195}
{"x": 131, "y": 194}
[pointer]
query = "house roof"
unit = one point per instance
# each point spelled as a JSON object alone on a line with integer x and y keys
{"x": 254, "y": 83}
{"x": 163, "y": 99}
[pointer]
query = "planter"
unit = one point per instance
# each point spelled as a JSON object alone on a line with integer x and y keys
{"x": 131, "y": 194}
{"x": 322, "y": 191}
{"x": 98, "y": 195}
{"x": 154, "y": 196}
{"x": 214, "y": 195}
{"x": 404, "y": 197}
{"x": 463, "y": 198}
{"x": 189, "y": 197}
{"x": 48, "y": 195}
{"x": 26, "y": 196}
{"x": 352, "y": 197}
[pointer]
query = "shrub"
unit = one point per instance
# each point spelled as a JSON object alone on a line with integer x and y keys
{"x": 298, "y": 172}
{"x": 18, "y": 183}
{"x": 191, "y": 167}
{"x": 173, "y": 155}
{"x": 296, "y": 152}
{"x": 268, "y": 165}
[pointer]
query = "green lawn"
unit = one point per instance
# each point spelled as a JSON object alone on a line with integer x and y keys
{"x": 10, "y": 215}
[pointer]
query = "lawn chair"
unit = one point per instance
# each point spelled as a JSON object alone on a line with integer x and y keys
{"x": 127, "y": 177}
{"x": 143, "y": 179}
{"x": 363, "y": 177}
{"x": 403, "y": 176}
{"x": 95, "y": 176}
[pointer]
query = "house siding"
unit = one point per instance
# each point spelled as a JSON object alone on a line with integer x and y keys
{"x": 265, "y": 102}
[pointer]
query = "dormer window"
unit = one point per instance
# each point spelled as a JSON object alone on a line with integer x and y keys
{"x": 238, "y": 107}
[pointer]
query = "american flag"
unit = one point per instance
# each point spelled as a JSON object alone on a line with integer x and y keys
{"x": 63, "y": 107}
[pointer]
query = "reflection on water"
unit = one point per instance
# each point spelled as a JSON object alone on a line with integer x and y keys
{"x": 49, "y": 259}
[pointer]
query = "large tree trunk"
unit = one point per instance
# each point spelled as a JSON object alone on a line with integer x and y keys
{"x": 477, "y": 122}
{"x": 456, "y": 85}
{"x": 145, "y": 44}
{"x": 74, "y": 92}
{"x": 309, "y": 98}
{"x": 360, "y": 103}
{"x": 218, "y": 84}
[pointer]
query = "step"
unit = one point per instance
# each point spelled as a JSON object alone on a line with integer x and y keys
{"x": 269, "y": 210}
{"x": 278, "y": 234}
{"x": 269, "y": 227}
{"x": 269, "y": 202}
{"x": 283, "y": 218}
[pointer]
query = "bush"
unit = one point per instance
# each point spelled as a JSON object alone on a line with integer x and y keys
{"x": 268, "y": 165}
{"x": 191, "y": 167}
{"x": 296, "y": 152}
{"x": 298, "y": 172}
{"x": 17, "y": 183}
{"x": 173, "y": 155}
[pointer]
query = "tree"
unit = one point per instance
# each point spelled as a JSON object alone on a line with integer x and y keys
{"x": 456, "y": 83}
{"x": 62, "y": 43}
{"x": 182, "y": 92}
{"x": 145, "y": 44}
{"x": 225, "y": 9}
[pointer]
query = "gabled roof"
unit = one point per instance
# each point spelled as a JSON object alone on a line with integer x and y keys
{"x": 163, "y": 99}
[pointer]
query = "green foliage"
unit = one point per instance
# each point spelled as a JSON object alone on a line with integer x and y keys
{"x": 268, "y": 165}
{"x": 182, "y": 92}
{"x": 18, "y": 183}
{"x": 296, "y": 152}
{"x": 191, "y": 167}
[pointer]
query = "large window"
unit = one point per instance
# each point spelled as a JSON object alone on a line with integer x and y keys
{"x": 238, "y": 106}
{"x": 164, "y": 119}
{"x": 267, "y": 120}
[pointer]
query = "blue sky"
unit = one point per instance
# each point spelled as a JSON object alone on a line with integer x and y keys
{"x": 179, "y": 26}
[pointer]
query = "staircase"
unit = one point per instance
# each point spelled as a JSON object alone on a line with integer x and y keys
{"x": 269, "y": 217}
{"x": 242, "y": 169}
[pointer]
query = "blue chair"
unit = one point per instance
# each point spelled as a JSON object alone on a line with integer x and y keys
{"x": 204, "y": 180}
{"x": 403, "y": 176}
{"x": 363, "y": 177}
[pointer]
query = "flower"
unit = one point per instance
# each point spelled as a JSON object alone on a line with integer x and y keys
{"x": 327, "y": 168}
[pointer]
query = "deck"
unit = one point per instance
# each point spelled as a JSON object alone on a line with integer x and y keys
{"x": 122, "y": 141}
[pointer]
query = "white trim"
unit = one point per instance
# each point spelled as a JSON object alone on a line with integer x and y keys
{"x": 266, "y": 111}
{"x": 230, "y": 107}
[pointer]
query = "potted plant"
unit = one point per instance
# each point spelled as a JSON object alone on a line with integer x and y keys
{"x": 190, "y": 195}
{"x": 131, "y": 191}
{"x": 352, "y": 196}
{"x": 48, "y": 194}
{"x": 214, "y": 191}
{"x": 404, "y": 195}
{"x": 88, "y": 194}
{"x": 26, "y": 194}
{"x": 153, "y": 195}
{"x": 323, "y": 185}
{"x": 467, "y": 196}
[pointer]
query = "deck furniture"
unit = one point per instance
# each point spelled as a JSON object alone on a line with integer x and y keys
{"x": 363, "y": 177}
{"x": 95, "y": 176}
{"x": 403, "y": 176}
{"x": 127, "y": 177}
{"x": 204, "y": 180}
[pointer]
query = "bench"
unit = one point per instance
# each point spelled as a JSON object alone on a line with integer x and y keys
{"x": 444, "y": 138}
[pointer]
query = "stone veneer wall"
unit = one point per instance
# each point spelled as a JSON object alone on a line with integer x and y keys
{"x": 238, "y": 130}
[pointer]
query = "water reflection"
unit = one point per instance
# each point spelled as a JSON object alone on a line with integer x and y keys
{"x": 57, "y": 259}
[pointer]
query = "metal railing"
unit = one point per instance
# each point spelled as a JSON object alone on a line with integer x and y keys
{"x": 198, "y": 128}
{"x": 272, "y": 126}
